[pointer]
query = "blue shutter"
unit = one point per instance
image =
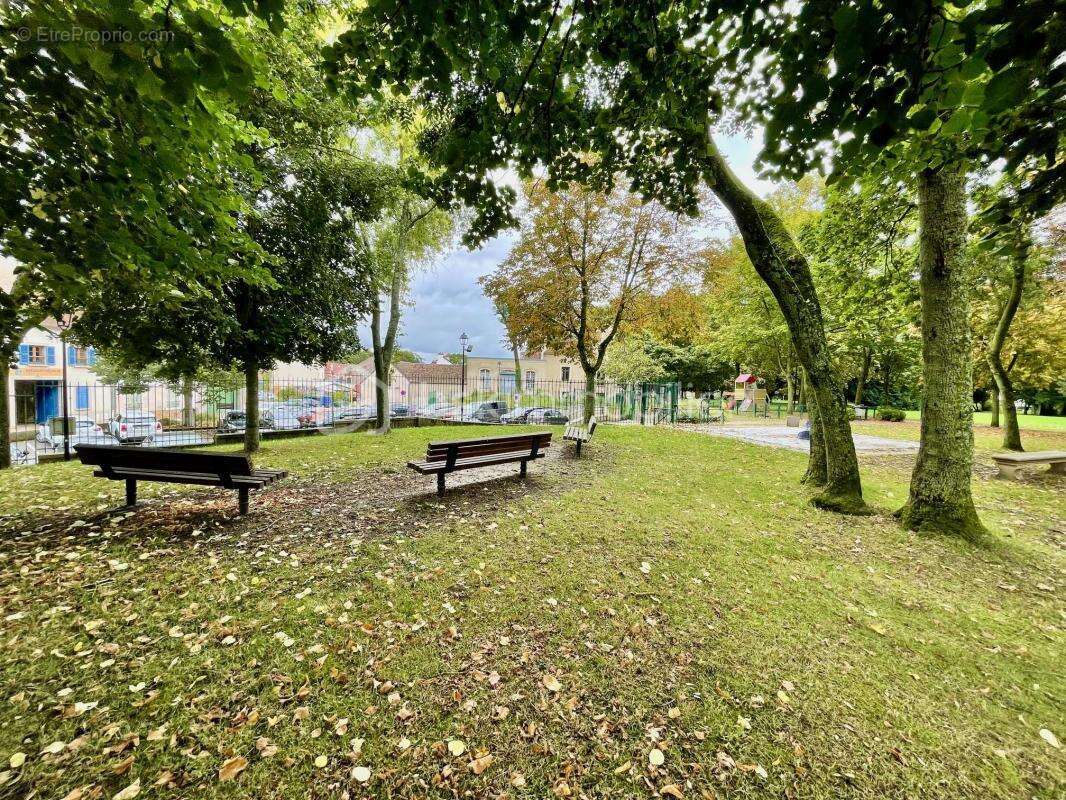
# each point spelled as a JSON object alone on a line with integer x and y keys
{"x": 50, "y": 356}
{"x": 92, "y": 356}
{"x": 72, "y": 354}
{"x": 24, "y": 354}
{"x": 81, "y": 398}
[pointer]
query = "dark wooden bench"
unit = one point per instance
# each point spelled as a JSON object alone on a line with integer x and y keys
{"x": 132, "y": 464}
{"x": 444, "y": 457}
{"x": 579, "y": 434}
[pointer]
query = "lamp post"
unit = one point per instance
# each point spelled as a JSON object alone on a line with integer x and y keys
{"x": 464, "y": 348}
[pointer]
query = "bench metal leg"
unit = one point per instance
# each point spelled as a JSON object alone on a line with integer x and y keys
{"x": 578, "y": 451}
{"x": 131, "y": 492}
{"x": 523, "y": 471}
{"x": 242, "y": 499}
{"x": 440, "y": 484}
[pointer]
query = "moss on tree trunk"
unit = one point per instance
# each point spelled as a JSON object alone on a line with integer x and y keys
{"x": 589, "y": 409}
{"x": 816, "y": 474}
{"x": 779, "y": 262}
{"x": 5, "y": 414}
{"x": 940, "y": 496}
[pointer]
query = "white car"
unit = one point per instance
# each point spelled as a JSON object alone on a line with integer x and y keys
{"x": 134, "y": 427}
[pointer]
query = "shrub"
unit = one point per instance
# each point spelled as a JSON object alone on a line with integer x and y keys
{"x": 889, "y": 414}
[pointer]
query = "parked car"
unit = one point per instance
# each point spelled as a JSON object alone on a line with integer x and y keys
{"x": 488, "y": 411}
{"x": 443, "y": 411}
{"x": 520, "y": 414}
{"x": 547, "y": 416}
{"x": 399, "y": 410}
{"x": 238, "y": 421}
{"x": 134, "y": 427}
{"x": 353, "y": 412}
{"x": 288, "y": 419}
{"x": 84, "y": 431}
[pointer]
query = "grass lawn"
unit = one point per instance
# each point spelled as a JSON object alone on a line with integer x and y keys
{"x": 1030, "y": 422}
{"x": 666, "y": 616}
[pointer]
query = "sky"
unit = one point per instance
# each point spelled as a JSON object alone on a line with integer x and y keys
{"x": 445, "y": 299}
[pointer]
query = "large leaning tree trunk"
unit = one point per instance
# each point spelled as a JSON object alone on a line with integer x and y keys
{"x": 517, "y": 369}
{"x": 817, "y": 473}
{"x": 779, "y": 262}
{"x": 1012, "y": 438}
{"x": 994, "y": 421}
{"x": 940, "y": 497}
{"x": 864, "y": 373}
{"x": 188, "y": 410}
{"x": 251, "y": 406}
{"x": 384, "y": 348}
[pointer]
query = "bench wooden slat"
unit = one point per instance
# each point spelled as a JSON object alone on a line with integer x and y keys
{"x": 490, "y": 448}
{"x": 580, "y": 434}
{"x": 198, "y": 478}
{"x": 163, "y": 458}
{"x": 433, "y": 467}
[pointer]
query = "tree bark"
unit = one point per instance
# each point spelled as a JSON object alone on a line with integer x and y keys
{"x": 383, "y": 349}
{"x": 5, "y": 411}
{"x": 786, "y": 272}
{"x": 940, "y": 499}
{"x": 860, "y": 385}
{"x": 188, "y": 411}
{"x": 994, "y": 423}
{"x": 518, "y": 385}
{"x": 1012, "y": 438}
{"x": 589, "y": 410}
{"x": 251, "y": 407}
{"x": 817, "y": 464}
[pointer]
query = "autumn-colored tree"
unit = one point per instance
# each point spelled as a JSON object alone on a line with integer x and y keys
{"x": 582, "y": 264}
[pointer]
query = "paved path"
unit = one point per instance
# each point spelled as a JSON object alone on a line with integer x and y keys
{"x": 781, "y": 436}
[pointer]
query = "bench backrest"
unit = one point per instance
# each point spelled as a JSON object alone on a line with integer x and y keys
{"x": 488, "y": 445}
{"x": 163, "y": 459}
{"x": 575, "y": 431}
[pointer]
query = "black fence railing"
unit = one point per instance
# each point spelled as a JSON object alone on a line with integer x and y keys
{"x": 190, "y": 414}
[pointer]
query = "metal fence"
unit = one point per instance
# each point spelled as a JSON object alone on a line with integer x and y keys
{"x": 189, "y": 414}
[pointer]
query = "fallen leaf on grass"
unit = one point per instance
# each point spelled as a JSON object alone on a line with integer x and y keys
{"x": 321, "y": 761}
{"x": 656, "y": 757}
{"x": 129, "y": 792}
{"x": 54, "y": 747}
{"x": 232, "y": 767}
{"x": 456, "y": 747}
{"x": 479, "y": 765}
{"x": 361, "y": 774}
{"x": 1050, "y": 738}
{"x": 673, "y": 790}
{"x": 551, "y": 683}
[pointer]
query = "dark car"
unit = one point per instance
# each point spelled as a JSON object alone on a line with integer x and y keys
{"x": 399, "y": 410}
{"x": 488, "y": 411}
{"x": 238, "y": 420}
{"x": 520, "y": 414}
{"x": 547, "y": 416}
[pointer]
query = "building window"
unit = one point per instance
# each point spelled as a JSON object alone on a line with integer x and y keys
{"x": 486, "y": 380}
{"x": 36, "y": 355}
{"x": 81, "y": 356}
{"x": 566, "y": 373}
{"x": 81, "y": 398}
{"x": 531, "y": 380}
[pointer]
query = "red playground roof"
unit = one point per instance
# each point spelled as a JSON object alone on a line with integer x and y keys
{"x": 745, "y": 378}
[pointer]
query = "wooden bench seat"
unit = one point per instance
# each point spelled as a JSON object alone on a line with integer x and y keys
{"x": 1011, "y": 463}
{"x": 132, "y": 464}
{"x": 579, "y": 434}
{"x": 444, "y": 457}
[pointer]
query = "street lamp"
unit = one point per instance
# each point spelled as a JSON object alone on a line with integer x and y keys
{"x": 464, "y": 348}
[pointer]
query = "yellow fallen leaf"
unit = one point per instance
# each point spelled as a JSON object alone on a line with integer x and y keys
{"x": 518, "y": 780}
{"x": 673, "y": 790}
{"x": 321, "y": 761}
{"x": 232, "y": 767}
{"x": 17, "y": 760}
{"x": 456, "y": 747}
{"x": 623, "y": 768}
{"x": 129, "y": 792}
{"x": 656, "y": 757}
{"x": 1050, "y": 738}
{"x": 551, "y": 683}
{"x": 54, "y": 747}
{"x": 361, "y": 774}
{"x": 479, "y": 765}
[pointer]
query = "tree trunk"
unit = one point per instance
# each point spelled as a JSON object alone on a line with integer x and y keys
{"x": 383, "y": 349}
{"x": 995, "y": 406}
{"x": 790, "y": 393}
{"x": 817, "y": 468}
{"x": 251, "y": 407}
{"x": 786, "y": 272}
{"x": 860, "y": 385}
{"x": 589, "y": 410}
{"x": 188, "y": 411}
{"x": 1012, "y": 438}
{"x": 5, "y": 411}
{"x": 803, "y": 390}
{"x": 518, "y": 385}
{"x": 940, "y": 495}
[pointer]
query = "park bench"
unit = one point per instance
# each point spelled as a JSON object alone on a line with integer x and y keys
{"x": 132, "y": 464}
{"x": 579, "y": 434}
{"x": 444, "y": 457}
{"x": 1010, "y": 463}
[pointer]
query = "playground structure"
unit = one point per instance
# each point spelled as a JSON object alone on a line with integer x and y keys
{"x": 746, "y": 394}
